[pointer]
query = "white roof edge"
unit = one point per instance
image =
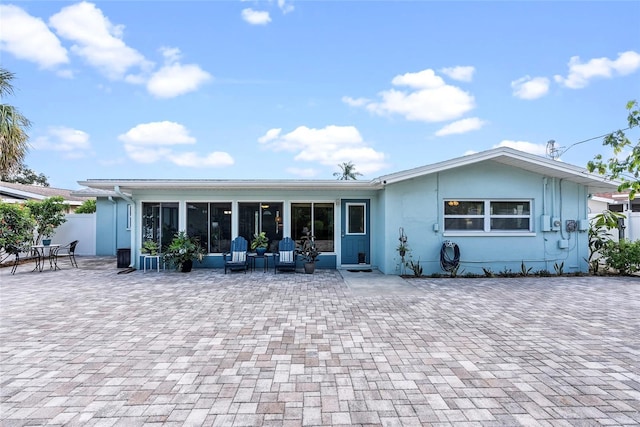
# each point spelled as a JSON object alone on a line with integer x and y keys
{"x": 493, "y": 154}
{"x": 230, "y": 184}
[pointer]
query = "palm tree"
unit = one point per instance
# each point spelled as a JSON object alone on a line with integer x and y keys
{"x": 348, "y": 171}
{"x": 13, "y": 126}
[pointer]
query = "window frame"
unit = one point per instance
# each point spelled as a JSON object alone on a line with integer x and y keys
{"x": 348, "y": 206}
{"x": 312, "y": 206}
{"x": 487, "y": 216}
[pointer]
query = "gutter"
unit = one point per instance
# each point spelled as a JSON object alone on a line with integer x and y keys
{"x": 130, "y": 200}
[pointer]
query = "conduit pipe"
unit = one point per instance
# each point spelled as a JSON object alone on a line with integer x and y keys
{"x": 130, "y": 200}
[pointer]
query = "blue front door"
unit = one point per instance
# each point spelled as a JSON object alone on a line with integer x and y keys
{"x": 355, "y": 232}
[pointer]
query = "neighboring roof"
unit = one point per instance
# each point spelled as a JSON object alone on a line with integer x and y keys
{"x": 504, "y": 155}
{"x": 12, "y": 192}
{"x": 519, "y": 159}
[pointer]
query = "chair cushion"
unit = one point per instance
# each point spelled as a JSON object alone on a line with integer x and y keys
{"x": 238, "y": 256}
{"x": 286, "y": 256}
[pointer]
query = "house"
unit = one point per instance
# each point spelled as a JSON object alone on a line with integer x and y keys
{"x": 500, "y": 208}
{"x": 19, "y": 193}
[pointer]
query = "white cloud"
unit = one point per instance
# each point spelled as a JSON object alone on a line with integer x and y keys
{"x": 191, "y": 159}
{"x": 428, "y": 99}
{"x": 97, "y": 40}
{"x": 158, "y": 133}
{"x": 255, "y": 17}
{"x": 461, "y": 126}
{"x": 530, "y": 87}
{"x": 152, "y": 142}
{"x": 29, "y": 38}
{"x": 285, "y": 7}
{"x": 73, "y": 143}
{"x": 580, "y": 74}
{"x": 355, "y": 102}
{"x": 528, "y": 147}
{"x": 463, "y": 74}
{"x": 175, "y": 79}
{"x": 328, "y": 146}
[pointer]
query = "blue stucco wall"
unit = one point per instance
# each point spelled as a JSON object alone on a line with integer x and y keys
{"x": 111, "y": 226}
{"x": 417, "y": 206}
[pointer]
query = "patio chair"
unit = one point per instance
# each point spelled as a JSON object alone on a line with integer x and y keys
{"x": 68, "y": 251}
{"x": 237, "y": 259}
{"x": 285, "y": 259}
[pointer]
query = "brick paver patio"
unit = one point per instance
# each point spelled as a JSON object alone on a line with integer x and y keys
{"x": 93, "y": 348}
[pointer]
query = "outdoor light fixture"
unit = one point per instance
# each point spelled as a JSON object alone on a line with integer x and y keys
{"x": 453, "y": 203}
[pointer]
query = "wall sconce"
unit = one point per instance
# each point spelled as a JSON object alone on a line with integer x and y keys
{"x": 453, "y": 203}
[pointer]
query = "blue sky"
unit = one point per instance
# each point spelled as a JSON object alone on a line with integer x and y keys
{"x": 290, "y": 89}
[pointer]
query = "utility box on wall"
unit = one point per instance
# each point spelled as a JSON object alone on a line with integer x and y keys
{"x": 545, "y": 223}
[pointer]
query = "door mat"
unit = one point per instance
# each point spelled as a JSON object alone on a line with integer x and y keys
{"x": 127, "y": 271}
{"x": 367, "y": 270}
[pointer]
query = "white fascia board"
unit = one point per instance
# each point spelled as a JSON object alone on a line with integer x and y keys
{"x": 26, "y": 194}
{"x": 128, "y": 185}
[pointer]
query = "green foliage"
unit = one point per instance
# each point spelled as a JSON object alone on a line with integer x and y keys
{"x": 599, "y": 236}
{"x": 260, "y": 240}
{"x": 623, "y": 256}
{"x": 16, "y": 227}
{"x": 23, "y": 175}
{"x": 307, "y": 249}
{"x": 48, "y": 215}
{"x": 87, "y": 207}
{"x": 415, "y": 267}
{"x": 183, "y": 248}
{"x": 150, "y": 247}
{"x": 543, "y": 273}
{"x": 626, "y": 169}
{"x": 347, "y": 172}
{"x": 559, "y": 268}
{"x": 524, "y": 271}
{"x": 14, "y": 141}
{"x": 488, "y": 272}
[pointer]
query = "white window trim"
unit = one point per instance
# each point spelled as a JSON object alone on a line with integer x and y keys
{"x": 348, "y": 207}
{"x": 487, "y": 220}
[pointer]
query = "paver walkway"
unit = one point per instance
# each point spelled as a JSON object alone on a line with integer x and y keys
{"x": 90, "y": 347}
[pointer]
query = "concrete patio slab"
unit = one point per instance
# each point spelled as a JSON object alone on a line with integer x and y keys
{"x": 91, "y": 347}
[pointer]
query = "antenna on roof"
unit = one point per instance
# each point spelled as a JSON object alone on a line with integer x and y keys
{"x": 553, "y": 152}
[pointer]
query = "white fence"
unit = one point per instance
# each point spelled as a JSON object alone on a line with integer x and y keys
{"x": 81, "y": 227}
{"x": 631, "y": 226}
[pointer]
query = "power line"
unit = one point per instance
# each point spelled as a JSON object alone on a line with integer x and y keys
{"x": 595, "y": 137}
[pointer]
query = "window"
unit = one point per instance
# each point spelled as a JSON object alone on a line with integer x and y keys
{"x": 263, "y": 216}
{"x": 128, "y": 216}
{"x": 211, "y": 223}
{"x": 316, "y": 217}
{"x": 159, "y": 222}
{"x": 487, "y": 215}
{"x": 356, "y": 218}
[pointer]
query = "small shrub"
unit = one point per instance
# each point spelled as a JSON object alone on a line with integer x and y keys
{"x": 506, "y": 273}
{"x": 623, "y": 256}
{"x": 415, "y": 267}
{"x": 524, "y": 271}
{"x": 559, "y": 268}
{"x": 543, "y": 273}
{"x": 488, "y": 272}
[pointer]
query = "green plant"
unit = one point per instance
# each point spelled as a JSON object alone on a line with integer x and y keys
{"x": 307, "y": 249}
{"x": 150, "y": 247}
{"x": 623, "y": 256}
{"x": 559, "y": 268}
{"x": 506, "y": 272}
{"x": 488, "y": 272}
{"x": 260, "y": 240}
{"x": 182, "y": 249}
{"x": 16, "y": 227}
{"x": 87, "y": 207}
{"x": 48, "y": 215}
{"x": 415, "y": 267}
{"x": 599, "y": 236}
{"x": 524, "y": 271}
{"x": 543, "y": 273}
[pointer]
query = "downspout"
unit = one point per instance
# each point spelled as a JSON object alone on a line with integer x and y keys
{"x": 128, "y": 199}
{"x": 115, "y": 224}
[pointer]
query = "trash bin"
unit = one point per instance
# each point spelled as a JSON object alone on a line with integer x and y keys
{"x": 124, "y": 257}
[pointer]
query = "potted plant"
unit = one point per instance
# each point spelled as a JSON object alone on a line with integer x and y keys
{"x": 182, "y": 251}
{"x": 308, "y": 251}
{"x": 259, "y": 243}
{"x": 149, "y": 247}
